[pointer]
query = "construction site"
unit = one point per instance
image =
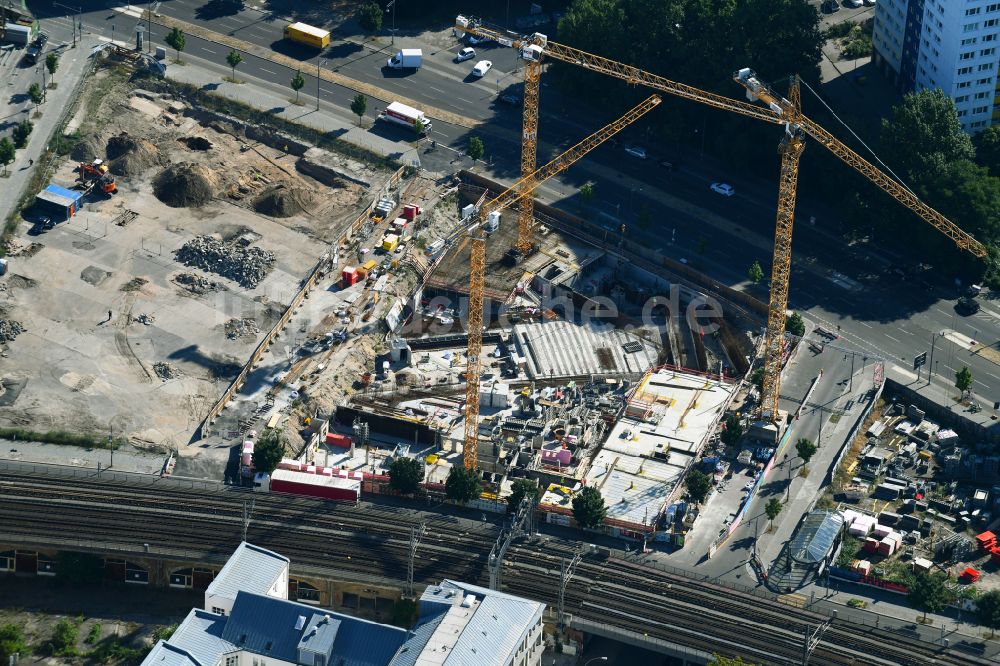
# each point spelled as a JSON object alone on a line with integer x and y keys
{"x": 188, "y": 280}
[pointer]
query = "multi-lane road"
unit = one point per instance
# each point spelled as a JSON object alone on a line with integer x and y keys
{"x": 891, "y": 316}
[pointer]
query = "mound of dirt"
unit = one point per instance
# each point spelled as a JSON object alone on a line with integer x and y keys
{"x": 88, "y": 149}
{"x": 280, "y": 200}
{"x": 186, "y": 184}
{"x": 131, "y": 156}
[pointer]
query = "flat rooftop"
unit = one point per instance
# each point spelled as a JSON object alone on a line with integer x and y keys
{"x": 558, "y": 348}
{"x": 673, "y": 413}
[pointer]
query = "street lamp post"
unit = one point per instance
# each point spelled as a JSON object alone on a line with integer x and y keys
{"x": 930, "y": 371}
{"x": 393, "y": 6}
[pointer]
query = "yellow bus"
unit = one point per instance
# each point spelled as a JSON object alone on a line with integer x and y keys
{"x": 308, "y": 35}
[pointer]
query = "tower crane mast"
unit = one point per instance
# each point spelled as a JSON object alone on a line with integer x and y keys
{"x": 778, "y": 110}
{"x": 517, "y": 192}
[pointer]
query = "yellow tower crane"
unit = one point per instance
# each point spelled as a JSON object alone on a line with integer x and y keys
{"x": 518, "y": 192}
{"x": 779, "y": 111}
{"x": 797, "y": 127}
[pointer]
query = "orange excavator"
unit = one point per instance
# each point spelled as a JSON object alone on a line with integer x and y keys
{"x": 96, "y": 175}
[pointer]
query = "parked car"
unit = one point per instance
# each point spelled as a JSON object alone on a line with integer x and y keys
{"x": 636, "y": 151}
{"x": 36, "y": 47}
{"x": 475, "y": 40}
{"x": 669, "y": 166}
{"x": 724, "y": 189}
{"x": 465, "y": 54}
{"x": 481, "y": 68}
{"x": 831, "y": 6}
{"x": 510, "y": 98}
{"x": 967, "y": 306}
{"x": 854, "y": 3}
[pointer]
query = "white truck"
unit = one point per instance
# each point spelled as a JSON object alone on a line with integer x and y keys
{"x": 401, "y": 114}
{"x": 406, "y": 59}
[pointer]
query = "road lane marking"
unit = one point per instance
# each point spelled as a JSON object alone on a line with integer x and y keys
{"x": 892, "y": 338}
{"x": 207, "y": 50}
{"x": 265, "y": 69}
{"x": 865, "y": 325}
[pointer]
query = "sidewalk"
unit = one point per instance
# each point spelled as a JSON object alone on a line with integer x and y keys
{"x": 73, "y": 64}
{"x": 278, "y": 100}
{"x": 889, "y": 610}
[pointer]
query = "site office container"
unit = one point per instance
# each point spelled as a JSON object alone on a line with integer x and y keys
{"x": 308, "y": 35}
{"x": 350, "y": 275}
{"x": 315, "y": 485}
{"x": 336, "y": 439}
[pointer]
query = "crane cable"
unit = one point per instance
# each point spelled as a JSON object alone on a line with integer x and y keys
{"x": 860, "y": 140}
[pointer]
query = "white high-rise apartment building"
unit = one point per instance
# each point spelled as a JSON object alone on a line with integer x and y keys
{"x": 953, "y": 45}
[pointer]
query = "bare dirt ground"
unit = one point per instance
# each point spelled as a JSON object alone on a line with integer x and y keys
{"x": 118, "y": 333}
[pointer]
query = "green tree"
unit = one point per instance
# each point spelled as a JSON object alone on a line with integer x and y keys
{"x": 774, "y": 35}
{"x": 698, "y": 484}
{"x": 795, "y": 325}
{"x": 7, "y": 153}
{"x": 522, "y": 488}
{"x": 587, "y": 193}
{"x": 52, "y": 63}
{"x": 963, "y": 379}
{"x": 987, "y": 145}
{"x": 36, "y": 94}
{"x": 755, "y": 273}
{"x": 462, "y": 484}
{"x": 176, "y": 40}
{"x": 234, "y": 58}
{"x": 772, "y": 509}
{"x": 588, "y": 508}
{"x": 298, "y": 81}
{"x": 987, "y": 611}
{"x": 733, "y": 430}
{"x": 64, "y": 638}
{"x": 419, "y": 128}
{"x": 370, "y": 16}
{"x": 757, "y": 378}
{"x": 924, "y": 136}
{"x": 405, "y": 475}
{"x": 79, "y": 568}
{"x": 268, "y": 451}
{"x": 928, "y": 593}
{"x": 359, "y": 105}
{"x": 475, "y": 149}
{"x": 404, "y": 613}
{"x": 805, "y": 448}
{"x": 11, "y": 642}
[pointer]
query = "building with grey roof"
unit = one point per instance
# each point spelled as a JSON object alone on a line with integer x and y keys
{"x": 458, "y": 625}
{"x": 249, "y": 569}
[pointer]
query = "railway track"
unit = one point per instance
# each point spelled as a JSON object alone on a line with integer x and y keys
{"x": 373, "y": 540}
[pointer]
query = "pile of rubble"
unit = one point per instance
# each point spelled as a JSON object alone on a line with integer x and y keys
{"x": 247, "y": 266}
{"x": 135, "y": 284}
{"x": 241, "y": 328}
{"x": 165, "y": 371}
{"x": 197, "y": 284}
{"x": 144, "y": 319}
{"x": 10, "y": 329}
